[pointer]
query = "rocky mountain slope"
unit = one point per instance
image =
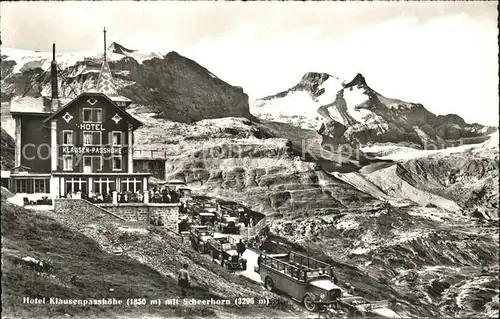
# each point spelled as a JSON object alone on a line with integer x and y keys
{"x": 8, "y": 147}
{"x": 171, "y": 85}
{"x": 354, "y": 113}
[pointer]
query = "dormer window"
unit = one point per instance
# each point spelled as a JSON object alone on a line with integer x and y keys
{"x": 92, "y": 115}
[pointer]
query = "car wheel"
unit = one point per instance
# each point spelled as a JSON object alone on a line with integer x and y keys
{"x": 269, "y": 284}
{"x": 358, "y": 314}
{"x": 244, "y": 266}
{"x": 201, "y": 249}
{"x": 212, "y": 255}
{"x": 309, "y": 304}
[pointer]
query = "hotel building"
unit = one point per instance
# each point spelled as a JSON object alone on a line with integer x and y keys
{"x": 75, "y": 145}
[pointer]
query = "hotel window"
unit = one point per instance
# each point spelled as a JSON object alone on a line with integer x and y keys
{"x": 67, "y": 137}
{"x": 42, "y": 185}
{"x": 92, "y": 115}
{"x": 117, "y": 138}
{"x": 117, "y": 163}
{"x": 104, "y": 184}
{"x": 21, "y": 186}
{"x": 92, "y": 163}
{"x": 67, "y": 162}
{"x": 92, "y": 138}
{"x": 131, "y": 185}
{"x": 76, "y": 184}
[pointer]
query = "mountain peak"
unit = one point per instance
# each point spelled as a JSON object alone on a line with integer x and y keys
{"x": 118, "y": 48}
{"x": 311, "y": 79}
{"x": 359, "y": 80}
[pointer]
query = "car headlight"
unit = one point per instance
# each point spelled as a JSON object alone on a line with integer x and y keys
{"x": 322, "y": 296}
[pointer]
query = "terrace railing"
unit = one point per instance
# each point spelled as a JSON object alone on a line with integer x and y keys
{"x": 149, "y": 154}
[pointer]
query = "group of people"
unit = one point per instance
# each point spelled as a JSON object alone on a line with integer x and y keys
{"x": 107, "y": 197}
{"x": 156, "y": 195}
{"x": 163, "y": 195}
{"x": 157, "y": 221}
{"x": 247, "y": 220}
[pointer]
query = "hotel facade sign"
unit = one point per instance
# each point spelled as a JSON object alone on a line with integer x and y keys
{"x": 91, "y": 150}
{"x": 91, "y": 127}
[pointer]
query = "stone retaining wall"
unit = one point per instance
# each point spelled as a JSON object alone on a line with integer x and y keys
{"x": 84, "y": 210}
{"x": 145, "y": 212}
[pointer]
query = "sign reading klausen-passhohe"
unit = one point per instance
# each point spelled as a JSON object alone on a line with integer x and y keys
{"x": 91, "y": 150}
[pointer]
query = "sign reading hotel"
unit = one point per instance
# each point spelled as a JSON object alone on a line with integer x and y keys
{"x": 91, "y": 127}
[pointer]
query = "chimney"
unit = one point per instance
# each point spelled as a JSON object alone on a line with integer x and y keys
{"x": 53, "y": 73}
{"x": 53, "y": 81}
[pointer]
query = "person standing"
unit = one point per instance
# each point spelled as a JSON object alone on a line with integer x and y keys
{"x": 240, "y": 248}
{"x": 246, "y": 220}
{"x": 184, "y": 279}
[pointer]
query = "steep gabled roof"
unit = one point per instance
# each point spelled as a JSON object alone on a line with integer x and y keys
{"x": 136, "y": 123}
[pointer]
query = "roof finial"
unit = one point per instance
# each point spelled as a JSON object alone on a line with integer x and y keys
{"x": 104, "y": 44}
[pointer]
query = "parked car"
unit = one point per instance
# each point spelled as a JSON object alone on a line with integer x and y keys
{"x": 358, "y": 307}
{"x": 229, "y": 223}
{"x": 199, "y": 236}
{"x": 223, "y": 249}
{"x": 207, "y": 219}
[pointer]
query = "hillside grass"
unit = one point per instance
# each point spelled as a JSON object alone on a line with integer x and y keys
{"x": 66, "y": 254}
{"x": 75, "y": 267}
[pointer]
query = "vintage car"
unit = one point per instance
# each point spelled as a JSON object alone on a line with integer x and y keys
{"x": 223, "y": 250}
{"x": 199, "y": 236}
{"x": 206, "y": 218}
{"x": 357, "y": 307}
{"x": 303, "y": 278}
{"x": 228, "y": 223}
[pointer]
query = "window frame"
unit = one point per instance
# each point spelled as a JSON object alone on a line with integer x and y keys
{"x": 136, "y": 182}
{"x": 81, "y": 181}
{"x": 113, "y": 138}
{"x": 91, "y": 157}
{"x": 45, "y": 182}
{"x": 92, "y": 132}
{"x": 20, "y": 189}
{"x": 64, "y": 168}
{"x": 92, "y": 110}
{"x": 71, "y": 143}
{"x": 101, "y": 181}
{"x": 113, "y": 163}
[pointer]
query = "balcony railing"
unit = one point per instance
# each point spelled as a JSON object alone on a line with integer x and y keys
{"x": 149, "y": 154}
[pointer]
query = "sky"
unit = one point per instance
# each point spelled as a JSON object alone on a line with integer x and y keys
{"x": 440, "y": 54}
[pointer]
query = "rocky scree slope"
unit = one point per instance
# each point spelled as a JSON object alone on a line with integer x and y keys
{"x": 462, "y": 180}
{"x": 171, "y": 85}
{"x": 353, "y": 113}
{"x": 429, "y": 262}
{"x": 234, "y": 158}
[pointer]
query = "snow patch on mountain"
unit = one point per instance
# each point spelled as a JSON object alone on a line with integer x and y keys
{"x": 26, "y": 60}
{"x": 296, "y": 108}
{"x": 402, "y": 153}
